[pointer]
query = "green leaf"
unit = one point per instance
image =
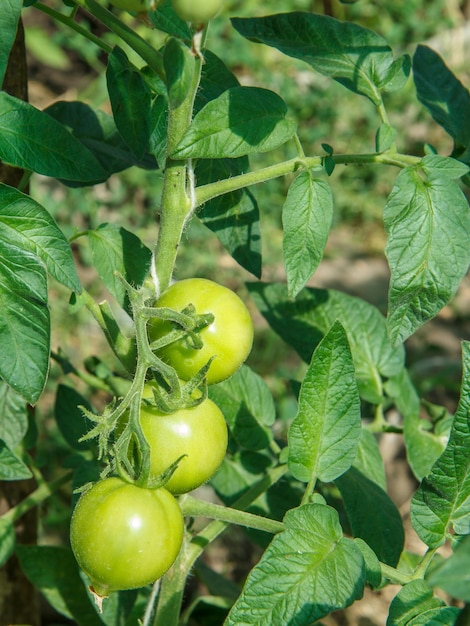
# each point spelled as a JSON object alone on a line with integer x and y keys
{"x": 166, "y": 20}
{"x": 415, "y": 605}
{"x": 179, "y": 68}
{"x": 9, "y": 18}
{"x": 248, "y": 407}
{"x": 293, "y": 581}
{"x": 444, "y": 96}
{"x": 130, "y": 100}
{"x": 385, "y": 137}
{"x": 372, "y": 515}
{"x": 7, "y": 540}
{"x": 303, "y": 322}
{"x": 242, "y": 120}
{"x": 324, "y": 435}
{"x": 424, "y": 445}
{"x": 354, "y": 56}
{"x": 55, "y": 573}
{"x": 70, "y": 419}
{"x": 13, "y": 416}
{"x": 159, "y": 127}
{"x": 97, "y": 132}
{"x": 453, "y": 576}
{"x": 233, "y": 217}
{"x": 442, "y": 501}
{"x": 24, "y": 322}
{"x": 115, "y": 249}
{"x": 11, "y": 467}
{"x": 25, "y": 224}
{"x": 446, "y": 166}
{"x": 428, "y": 227}
{"x": 372, "y": 563}
{"x": 368, "y": 459}
{"x": 306, "y": 218}
{"x": 32, "y": 140}
{"x": 215, "y": 79}
{"x": 238, "y": 472}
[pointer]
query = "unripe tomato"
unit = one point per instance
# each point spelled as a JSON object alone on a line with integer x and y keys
{"x": 199, "y": 432}
{"x": 228, "y": 339}
{"x": 123, "y": 536}
{"x": 197, "y": 11}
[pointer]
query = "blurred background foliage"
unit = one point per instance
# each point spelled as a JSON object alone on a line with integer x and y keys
{"x": 65, "y": 66}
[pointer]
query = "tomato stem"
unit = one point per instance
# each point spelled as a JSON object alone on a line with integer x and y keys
{"x": 152, "y": 57}
{"x": 195, "y": 507}
{"x": 40, "y": 494}
{"x": 204, "y": 193}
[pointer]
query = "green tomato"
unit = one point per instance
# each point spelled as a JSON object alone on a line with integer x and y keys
{"x": 199, "y": 432}
{"x": 197, "y": 11}
{"x": 228, "y": 339}
{"x": 123, "y": 536}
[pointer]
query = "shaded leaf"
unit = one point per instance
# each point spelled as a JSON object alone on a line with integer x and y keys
{"x": 248, "y": 407}
{"x": 70, "y": 418}
{"x": 306, "y": 218}
{"x": 442, "y": 501}
{"x": 354, "y": 56}
{"x": 34, "y": 141}
{"x": 233, "y": 217}
{"x": 303, "y": 322}
{"x": 372, "y": 515}
{"x": 325, "y": 432}
{"x": 242, "y": 120}
{"x": 9, "y": 17}
{"x": 55, "y": 573}
{"x": 293, "y": 581}
{"x": 97, "y": 131}
{"x": 444, "y": 96}
{"x": 130, "y": 100}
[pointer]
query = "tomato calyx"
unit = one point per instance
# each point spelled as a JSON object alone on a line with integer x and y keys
{"x": 186, "y": 324}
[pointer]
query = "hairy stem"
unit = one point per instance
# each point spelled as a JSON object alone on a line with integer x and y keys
{"x": 195, "y": 507}
{"x": 204, "y": 193}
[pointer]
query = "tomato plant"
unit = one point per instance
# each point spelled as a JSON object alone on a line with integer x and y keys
{"x": 124, "y": 536}
{"x": 246, "y": 150}
{"x": 227, "y": 339}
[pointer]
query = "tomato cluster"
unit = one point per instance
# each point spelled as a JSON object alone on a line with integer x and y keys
{"x": 125, "y": 536}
